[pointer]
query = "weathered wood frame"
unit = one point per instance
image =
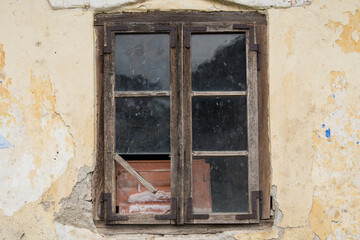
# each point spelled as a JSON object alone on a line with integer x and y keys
{"x": 252, "y": 120}
{"x": 109, "y": 115}
{"x": 180, "y": 95}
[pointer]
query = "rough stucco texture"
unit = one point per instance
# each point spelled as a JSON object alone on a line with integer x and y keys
{"x": 47, "y": 120}
{"x": 110, "y": 4}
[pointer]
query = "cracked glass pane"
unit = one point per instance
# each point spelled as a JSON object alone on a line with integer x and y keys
{"x": 219, "y": 123}
{"x": 220, "y": 184}
{"x": 142, "y": 62}
{"x": 218, "y": 62}
{"x": 142, "y": 125}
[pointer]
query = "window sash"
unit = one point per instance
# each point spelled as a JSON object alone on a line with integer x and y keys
{"x": 252, "y": 123}
{"x": 180, "y": 123}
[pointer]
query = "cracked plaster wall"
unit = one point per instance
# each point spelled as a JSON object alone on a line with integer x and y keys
{"x": 111, "y": 4}
{"x": 47, "y": 118}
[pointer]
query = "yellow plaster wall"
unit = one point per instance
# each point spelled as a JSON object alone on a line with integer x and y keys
{"x": 47, "y": 98}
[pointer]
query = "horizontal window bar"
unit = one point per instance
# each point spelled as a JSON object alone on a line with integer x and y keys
{"x": 218, "y": 93}
{"x": 142, "y": 94}
{"x": 145, "y": 156}
{"x": 219, "y": 153}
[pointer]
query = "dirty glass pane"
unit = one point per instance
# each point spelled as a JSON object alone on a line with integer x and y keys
{"x": 142, "y": 62}
{"x": 219, "y": 123}
{"x": 220, "y": 184}
{"x": 142, "y": 125}
{"x": 132, "y": 197}
{"x": 218, "y": 62}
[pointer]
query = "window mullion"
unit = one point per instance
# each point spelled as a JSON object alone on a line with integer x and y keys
{"x": 187, "y": 191}
{"x": 253, "y": 137}
{"x": 176, "y": 124}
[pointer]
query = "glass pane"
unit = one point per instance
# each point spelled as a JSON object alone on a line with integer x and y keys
{"x": 219, "y": 123}
{"x": 142, "y": 62}
{"x": 220, "y": 184}
{"x": 218, "y": 62}
{"x": 142, "y": 125}
{"x": 132, "y": 197}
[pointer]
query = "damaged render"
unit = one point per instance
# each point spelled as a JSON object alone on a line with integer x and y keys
{"x": 76, "y": 209}
{"x": 109, "y": 5}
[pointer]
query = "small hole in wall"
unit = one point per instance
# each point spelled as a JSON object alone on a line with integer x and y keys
{"x": 117, "y": 209}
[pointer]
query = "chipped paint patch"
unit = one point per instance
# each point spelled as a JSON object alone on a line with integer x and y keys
{"x": 42, "y": 143}
{"x": 4, "y": 143}
{"x": 66, "y": 232}
{"x": 349, "y": 38}
{"x": 320, "y": 221}
{"x": 336, "y": 172}
{"x": 106, "y": 4}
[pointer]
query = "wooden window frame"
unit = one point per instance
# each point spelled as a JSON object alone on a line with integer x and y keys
{"x": 180, "y": 25}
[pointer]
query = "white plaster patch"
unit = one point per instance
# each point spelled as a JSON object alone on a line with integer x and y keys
{"x": 93, "y": 4}
{"x": 16, "y": 165}
{"x": 336, "y": 122}
{"x": 15, "y": 187}
{"x": 147, "y": 196}
{"x": 39, "y": 153}
{"x": 272, "y": 3}
{"x": 4, "y": 143}
{"x": 147, "y": 208}
{"x": 355, "y": 35}
{"x": 110, "y": 4}
{"x": 66, "y": 232}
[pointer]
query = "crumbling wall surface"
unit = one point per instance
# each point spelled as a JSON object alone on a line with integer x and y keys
{"x": 47, "y": 120}
{"x": 108, "y": 5}
{"x": 46, "y": 113}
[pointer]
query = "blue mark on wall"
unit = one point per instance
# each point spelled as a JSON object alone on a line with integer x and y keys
{"x": 327, "y": 132}
{"x": 4, "y": 143}
{"x": 333, "y": 95}
{"x": 357, "y": 142}
{"x": 323, "y": 125}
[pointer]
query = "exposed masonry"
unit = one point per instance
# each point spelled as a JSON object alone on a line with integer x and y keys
{"x": 278, "y": 215}
{"x": 111, "y": 4}
{"x": 76, "y": 210}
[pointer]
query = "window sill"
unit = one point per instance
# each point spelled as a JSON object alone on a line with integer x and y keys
{"x": 179, "y": 230}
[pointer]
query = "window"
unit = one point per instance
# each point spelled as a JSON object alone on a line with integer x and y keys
{"x": 182, "y": 110}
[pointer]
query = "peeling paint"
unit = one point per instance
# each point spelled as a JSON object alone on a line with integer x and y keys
{"x": 4, "y": 143}
{"x": 47, "y": 115}
{"x": 349, "y": 38}
{"x": 335, "y": 210}
{"x": 33, "y": 142}
{"x": 76, "y": 210}
{"x": 109, "y": 5}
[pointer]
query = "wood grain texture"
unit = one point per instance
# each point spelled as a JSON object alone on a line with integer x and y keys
{"x": 218, "y": 93}
{"x": 98, "y": 174}
{"x": 180, "y": 101}
{"x": 179, "y": 230}
{"x": 264, "y": 140}
{"x": 219, "y": 153}
{"x": 184, "y": 17}
{"x": 142, "y": 94}
{"x": 252, "y": 121}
